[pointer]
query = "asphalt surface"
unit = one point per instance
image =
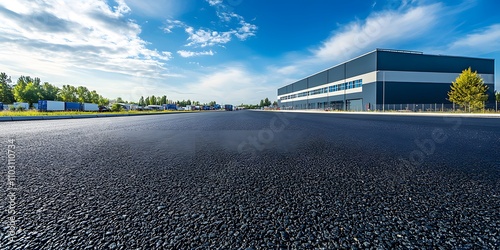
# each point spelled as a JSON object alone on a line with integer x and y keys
{"x": 251, "y": 180}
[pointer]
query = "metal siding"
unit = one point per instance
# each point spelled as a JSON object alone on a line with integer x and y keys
{"x": 370, "y": 94}
{"x": 300, "y": 85}
{"x": 432, "y": 63}
{"x": 413, "y": 93}
{"x": 336, "y": 73}
{"x": 318, "y": 79}
{"x": 361, "y": 65}
{"x": 282, "y": 91}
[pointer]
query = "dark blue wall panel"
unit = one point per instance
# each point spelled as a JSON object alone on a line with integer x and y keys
{"x": 300, "y": 85}
{"x": 336, "y": 73}
{"x": 432, "y": 63}
{"x": 318, "y": 79}
{"x": 361, "y": 65}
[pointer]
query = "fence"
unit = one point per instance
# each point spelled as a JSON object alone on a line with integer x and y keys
{"x": 422, "y": 107}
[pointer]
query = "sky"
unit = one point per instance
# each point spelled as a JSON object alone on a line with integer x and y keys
{"x": 228, "y": 51}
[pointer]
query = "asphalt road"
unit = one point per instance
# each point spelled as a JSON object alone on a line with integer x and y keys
{"x": 251, "y": 180}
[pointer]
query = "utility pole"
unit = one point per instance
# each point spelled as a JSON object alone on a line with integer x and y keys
{"x": 383, "y": 91}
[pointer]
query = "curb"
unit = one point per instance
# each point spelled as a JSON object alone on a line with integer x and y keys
{"x": 5, "y": 118}
{"x": 59, "y": 117}
{"x": 26, "y": 118}
{"x": 56, "y": 117}
{"x": 428, "y": 114}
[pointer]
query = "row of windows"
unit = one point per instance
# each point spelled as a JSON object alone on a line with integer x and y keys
{"x": 334, "y": 88}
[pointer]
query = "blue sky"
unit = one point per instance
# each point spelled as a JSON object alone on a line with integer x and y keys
{"x": 230, "y": 51}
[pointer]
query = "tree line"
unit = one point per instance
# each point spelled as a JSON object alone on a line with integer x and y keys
{"x": 157, "y": 100}
{"x": 30, "y": 90}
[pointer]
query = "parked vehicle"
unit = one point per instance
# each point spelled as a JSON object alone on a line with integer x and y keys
{"x": 104, "y": 109}
{"x": 170, "y": 106}
{"x": 90, "y": 107}
{"x": 23, "y": 105}
{"x": 44, "y": 105}
{"x": 228, "y": 107}
{"x": 72, "y": 106}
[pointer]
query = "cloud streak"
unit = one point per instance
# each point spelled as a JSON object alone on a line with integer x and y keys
{"x": 485, "y": 40}
{"x": 208, "y": 37}
{"x": 187, "y": 54}
{"x": 88, "y": 35}
{"x": 379, "y": 29}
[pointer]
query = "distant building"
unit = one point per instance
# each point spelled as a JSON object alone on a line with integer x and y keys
{"x": 385, "y": 79}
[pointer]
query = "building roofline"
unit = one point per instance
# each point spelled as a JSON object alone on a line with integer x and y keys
{"x": 384, "y": 50}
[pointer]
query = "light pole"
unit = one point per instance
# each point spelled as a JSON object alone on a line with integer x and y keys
{"x": 383, "y": 91}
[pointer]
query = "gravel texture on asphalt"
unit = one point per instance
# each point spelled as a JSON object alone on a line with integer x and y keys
{"x": 252, "y": 180}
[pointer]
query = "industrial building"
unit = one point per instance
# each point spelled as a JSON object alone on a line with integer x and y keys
{"x": 385, "y": 79}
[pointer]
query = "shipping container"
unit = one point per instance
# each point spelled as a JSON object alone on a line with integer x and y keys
{"x": 228, "y": 107}
{"x": 24, "y": 105}
{"x": 170, "y": 106}
{"x": 73, "y": 106}
{"x": 44, "y": 105}
{"x": 90, "y": 107}
{"x": 1, "y": 106}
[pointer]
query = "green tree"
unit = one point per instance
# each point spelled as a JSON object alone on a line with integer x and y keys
{"x": 261, "y": 104}
{"x": 116, "y": 107}
{"x": 152, "y": 100}
{"x": 275, "y": 104}
{"x": 468, "y": 90}
{"x": 158, "y": 100}
{"x": 141, "y": 101}
{"x": 119, "y": 100}
{"x": 103, "y": 101}
{"x": 163, "y": 100}
{"x": 68, "y": 94}
{"x": 6, "y": 91}
{"x": 146, "y": 101}
{"x": 267, "y": 102}
{"x": 31, "y": 93}
{"x": 20, "y": 88}
{"x": 83, "y": 94}
{"x": 49, "y": 92}
{"x": 94, "y": 97}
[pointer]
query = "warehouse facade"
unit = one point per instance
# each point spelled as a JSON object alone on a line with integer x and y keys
{"x": 385, "y": 79}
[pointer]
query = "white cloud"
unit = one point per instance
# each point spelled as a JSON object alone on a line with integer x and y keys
{"x": 380, "y": 29}
{"x": 172, "y": 24}
{"x": 207, "y": 37}
{"x": 235, "y": 79}
{"x": 484, "y": 40}
{"x": 159, "y": 8}
{"x": 214, "y": 2}
{"x": 186, "y": 54}
{"x": 77, "y": 35}
{"x": 246, "y": 30}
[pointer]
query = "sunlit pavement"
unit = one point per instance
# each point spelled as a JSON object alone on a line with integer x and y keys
{"x": 251, "y": 180}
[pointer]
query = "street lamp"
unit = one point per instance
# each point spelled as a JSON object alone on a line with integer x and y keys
{"x": 383, "y": 91}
